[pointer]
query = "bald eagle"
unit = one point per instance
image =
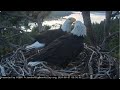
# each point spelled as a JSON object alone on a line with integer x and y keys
{"x": 48, "y": 36}
{"x": 64, "y": 49}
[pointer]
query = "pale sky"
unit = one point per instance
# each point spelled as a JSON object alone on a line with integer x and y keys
{"x": 95, "y": 17}
{"x": 55, "y": 23}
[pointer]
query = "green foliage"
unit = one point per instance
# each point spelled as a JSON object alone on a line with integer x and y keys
{"x": 99, "y": 30}
{"x": 115, "y": 25}
{"x": 34, "y": 32}
{"x": 115, "y": 40}
{"x": 20, "y": 39}
{"x": 17, "y": 19}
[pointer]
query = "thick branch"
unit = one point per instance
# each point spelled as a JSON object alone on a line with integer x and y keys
{"x": 87, "y": 22}
{"x": 109, "y": 37}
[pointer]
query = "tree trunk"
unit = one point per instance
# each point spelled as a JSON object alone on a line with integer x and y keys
{"x": 39, "y": 21}
{"x": 90, "y": 32}
{"x": 40, "y": 18}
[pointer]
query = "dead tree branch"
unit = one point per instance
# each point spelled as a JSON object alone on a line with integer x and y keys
{"x": 109, "y": 37}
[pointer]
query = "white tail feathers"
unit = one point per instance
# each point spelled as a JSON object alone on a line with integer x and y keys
{"x": 35, "y": 45}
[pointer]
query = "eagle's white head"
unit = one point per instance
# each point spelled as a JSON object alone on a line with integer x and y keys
{"x": 79, "y": 29}
{"x": 67, "y": 24}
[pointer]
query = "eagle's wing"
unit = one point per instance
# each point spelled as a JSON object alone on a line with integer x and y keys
{"x": 52, "y": 47}
{"x": 55, "y": 44}
{"x": 48, "y": 36}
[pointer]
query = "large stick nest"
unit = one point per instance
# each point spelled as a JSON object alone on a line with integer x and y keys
{"x": 91, "y": 63}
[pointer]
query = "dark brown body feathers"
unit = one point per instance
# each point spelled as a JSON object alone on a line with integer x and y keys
{"x": 62, "y": 50}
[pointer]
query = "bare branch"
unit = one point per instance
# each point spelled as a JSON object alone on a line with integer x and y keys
{"x": 109, "y": 37}
{"x": 90, "y": 66}
{"x": 2, "y": 70}
{"x": 114, "y": 48}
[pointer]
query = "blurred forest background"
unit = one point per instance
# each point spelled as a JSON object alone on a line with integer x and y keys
{"x": 14, "y": 26}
